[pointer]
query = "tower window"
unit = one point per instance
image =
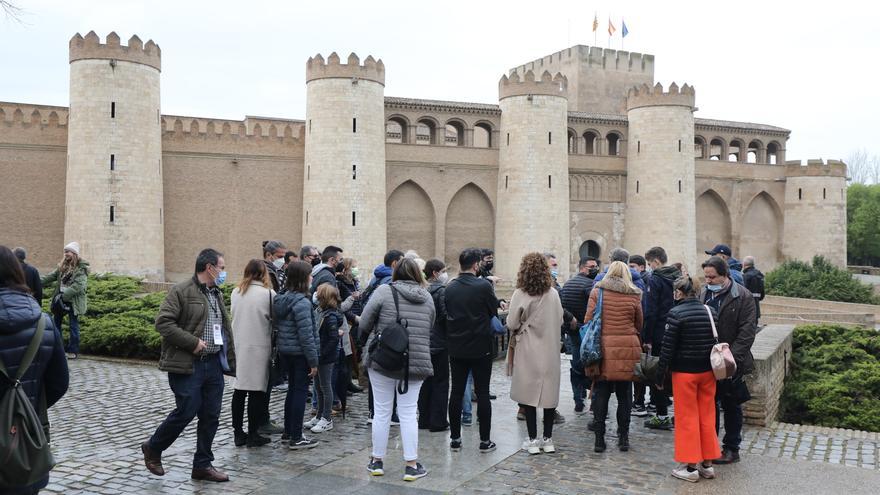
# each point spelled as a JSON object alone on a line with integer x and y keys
{"x": 638, "y": 146}
{"x": 112, "y": 109}
{"x": 307, "y": 217}
{"x": 310, "y": 126}
{"x": 354, "y": 219}
{"x": 354, "y": 124}
{"x": 637, "y": 187}
{"x": 354, "y": 172}
{"x": 550, "y": 181}
{"x": 112, "y": 162}
{"x": 823, "y": 193}
{"x": 308, "y": 172}
{"x": 161, "y": 219}
{"x": 679, "y": 148}
{"x": 505, "y": 182}
{"x": 549, "y": 138}
{"x": 112, "y": 213}
{"x": 679, "y": 186}
{"x": 800, "y": 194}
{"x": 158, "y": 117}
{"x": 508, "y": 139}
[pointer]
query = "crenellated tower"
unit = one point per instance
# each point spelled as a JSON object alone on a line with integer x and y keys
{"x": 532, "y": 211}
{"x": 114, "y": 203}
{"x": 815, "y": 211}
{"x": 660, "y": 202}
{"x": 344, "y": 175}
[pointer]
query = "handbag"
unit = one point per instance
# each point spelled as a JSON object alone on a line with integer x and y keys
{"x": 591, "y": 336}
{"x": 276, "y": 371}
{"x": 646, "y": 368}
{"x": 721, "y": 358}
{"x": 58, "y": 306}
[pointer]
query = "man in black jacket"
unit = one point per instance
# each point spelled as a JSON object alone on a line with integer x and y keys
{"x": 736, "y": 326}
{"x": 470, "y": 306}
{"x": 325, "y": 271}
{"x": 754, "y": 281}
{"x": 574, "y": 295}
{"x": 31, "y": 275}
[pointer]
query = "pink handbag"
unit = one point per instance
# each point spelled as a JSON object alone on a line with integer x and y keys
{"x": 721, "y": 359}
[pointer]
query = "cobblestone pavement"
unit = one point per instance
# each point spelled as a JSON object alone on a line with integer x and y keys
{"x": 112, "y": 407}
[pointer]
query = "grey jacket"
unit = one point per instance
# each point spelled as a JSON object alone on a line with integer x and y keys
{"x": 417, "y": 309}
{"x": 297, "y": 326}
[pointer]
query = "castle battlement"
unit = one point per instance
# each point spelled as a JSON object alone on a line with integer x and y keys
{"x": 371, "y": 70}
{"x": 548, "y": 85}
{"x": 90, "y": 47}
{"x": 14, "y": 114}
{"x": 815, "y": 168}
{"x": 654, "y": 96}
{"x": 595, "y": 57}
{"x": 188, "y": 127}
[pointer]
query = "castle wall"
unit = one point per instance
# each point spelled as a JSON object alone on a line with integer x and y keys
{"x": 33, "y": 157}
{"x": 815, "y": 211}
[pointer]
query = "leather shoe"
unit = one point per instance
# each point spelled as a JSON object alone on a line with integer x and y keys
{"x": 209, "y": 474}
{"x": 727, "y": 457}
{"x": 153, "y": 460}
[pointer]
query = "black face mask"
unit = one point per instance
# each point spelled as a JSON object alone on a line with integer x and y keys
{"x": 489, "y": 265}
{"x": 316, "y": 261}
{"x": 340, "y": 267}
{"x": 592, "y": 273}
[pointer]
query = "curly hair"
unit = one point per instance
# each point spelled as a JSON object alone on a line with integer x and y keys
{"x": 534, "y": 275}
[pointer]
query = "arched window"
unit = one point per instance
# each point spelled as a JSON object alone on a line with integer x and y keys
{"x": 426, "y": 132}
{"x": 699, "y": 147}
{"x": 572, "y": 142}
{"x": 613, "y": 139}
{"x": 716, "y": 148}
{"x": 591, "y": 143}
{"x": 482, "y": 135}
{"x": 454, "y": 133}
{"x": 772, "y": 153}
{"x": 396, "y": 130}
{"x": 735, "y": 151}
{"x": 590, "y": 248}
{"x": 754, "y": 153}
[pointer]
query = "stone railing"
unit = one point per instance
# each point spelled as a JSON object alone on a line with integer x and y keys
{"x": 772, "y": 353}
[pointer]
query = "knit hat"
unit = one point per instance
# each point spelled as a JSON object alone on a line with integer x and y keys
{"x": 73, "y": 247}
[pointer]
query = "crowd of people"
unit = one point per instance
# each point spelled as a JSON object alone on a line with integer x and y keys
{"x": 423, "y": 343}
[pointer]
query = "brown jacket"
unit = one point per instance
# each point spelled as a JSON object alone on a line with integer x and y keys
{"x": 621, "y": 323}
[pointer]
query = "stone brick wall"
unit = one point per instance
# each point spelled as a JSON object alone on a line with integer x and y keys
{"x": 772, "y": 353}
{"x": 815, "y": 211}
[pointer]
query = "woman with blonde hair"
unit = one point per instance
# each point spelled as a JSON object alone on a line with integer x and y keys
{"x": 535, "y": 319}
{"x": 621, "y": 348}
{"x": 252, "y": 335}
{"x": 69, "y": 297}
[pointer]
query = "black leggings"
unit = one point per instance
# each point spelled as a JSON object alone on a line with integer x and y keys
{"x": 255, "y": 401}
{"x": 532, "y": 421}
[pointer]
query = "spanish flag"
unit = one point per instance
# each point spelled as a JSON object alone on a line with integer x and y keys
{"x": 611, "y": 28}
{"x": 596, "y": 22}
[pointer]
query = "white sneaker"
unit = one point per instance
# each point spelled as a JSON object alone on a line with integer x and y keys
{"x": 532, "y": 446}
{"x": 707, "y": 472}
{"x": 547, "y": 446}
{"x": 682, "y": 473}
{"x": 322, "y": 426}
{"x": 308, "y": 425}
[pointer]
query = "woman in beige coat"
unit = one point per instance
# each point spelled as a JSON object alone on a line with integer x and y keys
{"x": 252, "y": 334}
{"x": 535, "y": 319}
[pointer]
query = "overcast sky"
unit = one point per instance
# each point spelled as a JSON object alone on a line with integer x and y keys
{"x": 811, "y": 69}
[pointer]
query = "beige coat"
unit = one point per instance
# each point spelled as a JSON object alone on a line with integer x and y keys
{"x": 252, "y": 333}
{"x": 535, "y": 322}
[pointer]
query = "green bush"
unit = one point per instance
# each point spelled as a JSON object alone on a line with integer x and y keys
{"x": 821, "y": 280}
{"x": 834, "y": 379}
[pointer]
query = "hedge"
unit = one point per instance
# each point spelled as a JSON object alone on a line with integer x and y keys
{"x": 821, "y": 280}
{"x": 834, "y": 379}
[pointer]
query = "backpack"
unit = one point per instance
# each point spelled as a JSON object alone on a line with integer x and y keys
{"x": 591, "y": 336}
{"x": 24, "y": 447}
{"x": 390, "y": 348}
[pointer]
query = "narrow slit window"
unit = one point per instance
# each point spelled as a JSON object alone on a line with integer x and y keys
{"x": 308, "y": 172}
{"x": 679, "y": 186}
{"x": 112, "y": 109}
{"x": 158, "y": 117}
{"x": 310, "y": 126}
{"x": 112, "y": 162}
{"x": 823, "y": 193}
{"x": 354, "y": 124}
{"x": 800, "y": 193}
{"x": 550, "y": 182}
{"x": 307, "y": 217}
{"x": 638, "y": 146}
{"x": 679, "y": 145}
{"x": 508, "y": 139}
{"x": 354, "y": 219}
{"x": 549, "y": 138}
{"x": 637, "y": 187}
{"x": 354, "y": 172}
{"x": 161, "y": 218}
{"x": 505, "y": 181}
{"x": 112, "y": 213}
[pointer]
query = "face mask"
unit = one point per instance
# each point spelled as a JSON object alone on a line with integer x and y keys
{"x": 489, "y": 265}
{"x": 714, "y": 287}
{"x": 278, "y": 263}
{"x": 220, "y": 278}
{"x": 649, "y": 270}
{"x": 593, "y": 272}
{"x": 554, "y": 274}
{"x": 316, "y": 261}
{"x": 443, "y": 278}
{"x": 354, "y": 272}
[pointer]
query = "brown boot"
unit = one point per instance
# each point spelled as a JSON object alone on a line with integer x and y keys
{"x": 209, "y": 474}
{"x": 153, "y": 460}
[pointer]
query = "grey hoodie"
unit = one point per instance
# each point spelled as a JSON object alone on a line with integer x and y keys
{"x": 417, "y": 309}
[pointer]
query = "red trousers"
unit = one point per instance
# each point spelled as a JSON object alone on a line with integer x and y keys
{"x": 695, "y": 436}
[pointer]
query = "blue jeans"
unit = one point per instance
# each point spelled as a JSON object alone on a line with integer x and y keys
{"x": 199, "y": 394}
{"x": 467, "y": 406}
{"x": 73, "y": 343}
{"x": 297, "y": 389}
{"x": 579, "y": 382}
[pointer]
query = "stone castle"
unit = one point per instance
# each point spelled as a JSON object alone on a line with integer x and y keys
{"x": 582, "y": 153}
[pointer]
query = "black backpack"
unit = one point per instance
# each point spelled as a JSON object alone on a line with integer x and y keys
{"x": 390, "y": 348}
{"x": 24, "y": 446}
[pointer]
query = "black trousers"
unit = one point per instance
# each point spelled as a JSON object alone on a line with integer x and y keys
{"x": 434, "y": 394}
{"x": 532, "y": 421}
{"x": 254, "y": 403}
{"x": 482, "y": 371}
{"x": 623, "y": 391}
{"x": 261, "y": 410}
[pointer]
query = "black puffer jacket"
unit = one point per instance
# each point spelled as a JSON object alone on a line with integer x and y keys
{"x": 659, "y": 302}
{"x": 329, "y": 336}
{"x": 688, "y": 339}
{"x": 438, "y": 333}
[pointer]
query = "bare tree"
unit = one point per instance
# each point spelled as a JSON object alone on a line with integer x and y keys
{"x": 863, "y": 168}
{"x": 11, "y": 10}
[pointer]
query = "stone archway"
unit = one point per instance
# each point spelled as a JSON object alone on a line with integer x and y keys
{"x": 713, "y": 222}
{"x": 761, "y": 231}
{"x": 470, "y": 222}
{"x": 410, "y": 220}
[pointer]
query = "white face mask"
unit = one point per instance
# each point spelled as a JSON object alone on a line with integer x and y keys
{"x": 278, "y": 263}
{"x": 443, "y": 278}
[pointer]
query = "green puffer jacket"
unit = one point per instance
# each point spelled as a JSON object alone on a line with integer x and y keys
{"x": 74, "y": 291}
{"x": 181, "y": 322}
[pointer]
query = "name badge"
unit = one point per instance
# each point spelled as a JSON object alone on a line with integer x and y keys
{"x": 218, "y": 334}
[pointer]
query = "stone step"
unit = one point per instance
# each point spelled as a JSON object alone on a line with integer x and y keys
{"x": 805, "y": 321}
{"x": 858, "y": 318}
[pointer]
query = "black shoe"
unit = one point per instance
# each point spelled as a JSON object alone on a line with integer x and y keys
{"x": 435, "y": 429}
{"x": 492, "y": 396}
{"x": 375, "y": 467}
{"x": 727, "y": 457}
{"x": 240, "y": 438}
{"x": 600, "y": 443}
{"x": 257, "y": 441}
{"x": 623, "y": 441}
{"x": 487, "y": 446}
{"x": 354, "y": 388}
{"x": 455, "y": 445}
{"x": 591, "y": 426}
{"x": 579, "y": 408}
